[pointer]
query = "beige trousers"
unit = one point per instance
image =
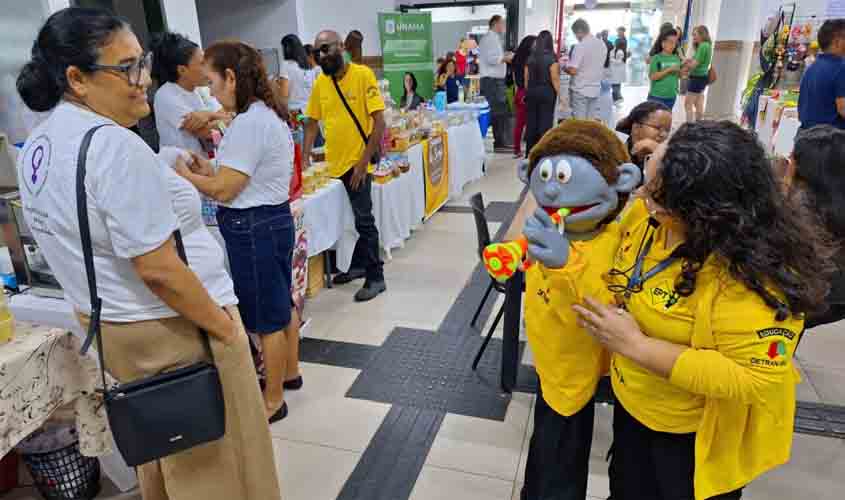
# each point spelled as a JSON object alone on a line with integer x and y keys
{"x": 239, "y": 466}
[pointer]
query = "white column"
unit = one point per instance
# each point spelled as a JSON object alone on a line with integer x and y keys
{"x": 734, "y": 34}
{"x": 523, "y": 13}
{"x": 180, "y": 16}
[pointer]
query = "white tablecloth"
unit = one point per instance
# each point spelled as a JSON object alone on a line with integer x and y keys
{"x": 330, "y": 223}
{"x": 784, "y": 141}
{"x": 466, "y": 157}
{"x": 399, "y": 205}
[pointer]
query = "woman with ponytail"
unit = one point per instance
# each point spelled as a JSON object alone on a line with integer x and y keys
{"x": 89, "y": 70}
{"x": 184, "y": 118}
{"x": 251, "y": 182}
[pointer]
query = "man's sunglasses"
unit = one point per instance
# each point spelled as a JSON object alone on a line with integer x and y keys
{"x": 326, "y": 47}
{"x": 133, "y": 72}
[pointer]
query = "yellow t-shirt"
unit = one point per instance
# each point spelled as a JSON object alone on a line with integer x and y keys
{"x": 750, "y": 343}
{"x": 344, "y": 144}
{"x": 568, "y": 360}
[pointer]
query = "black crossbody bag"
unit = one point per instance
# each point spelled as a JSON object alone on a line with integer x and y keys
{"x": 376, "y": 158}
{"x": 160, "y": 415}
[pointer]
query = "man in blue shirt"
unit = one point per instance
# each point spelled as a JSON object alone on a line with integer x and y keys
{"x": 822, "y": 98}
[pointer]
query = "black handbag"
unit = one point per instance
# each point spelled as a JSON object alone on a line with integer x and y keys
{"x": 160, "y": 415}
{"x": 376, "y": 158}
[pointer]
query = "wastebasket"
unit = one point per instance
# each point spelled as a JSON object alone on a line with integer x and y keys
{"x": 58, "y": 469}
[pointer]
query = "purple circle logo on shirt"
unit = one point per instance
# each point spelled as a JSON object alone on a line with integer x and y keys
{"x": 36, "y": 164}
{"x": 37, "y": 158}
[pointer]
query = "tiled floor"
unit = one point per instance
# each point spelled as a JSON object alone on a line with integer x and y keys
{"x": 323, "y": 440}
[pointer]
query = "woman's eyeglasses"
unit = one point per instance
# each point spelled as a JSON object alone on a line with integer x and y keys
{"x": 660, "y": 130}
{"x": 133, "y": 72}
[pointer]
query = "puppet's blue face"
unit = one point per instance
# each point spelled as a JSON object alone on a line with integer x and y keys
{"x": 568, "y": 181}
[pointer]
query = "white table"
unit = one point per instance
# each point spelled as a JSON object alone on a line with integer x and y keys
{"x": 330, "y": 223}
{"x": 399, "y": 205}
{"x": 466, "y": 157}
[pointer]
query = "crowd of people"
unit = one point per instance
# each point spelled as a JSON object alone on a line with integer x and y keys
{"x": 688, "y": 275}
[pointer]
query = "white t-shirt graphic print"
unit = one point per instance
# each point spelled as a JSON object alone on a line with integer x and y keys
{"x": 129, "y": 209}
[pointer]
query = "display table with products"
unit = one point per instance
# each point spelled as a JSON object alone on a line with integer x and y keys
{"x": 481, "y": 110}
{"x": 439, "y": 169}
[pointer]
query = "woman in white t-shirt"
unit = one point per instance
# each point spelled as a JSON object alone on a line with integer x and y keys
{"x": 618, "y": 67}
{"x": 184, "y": 118}
{"x": 205, "y": 255}
{"x": 295, "y": 78}
{"x": 89, "y": 70}
{"x": 251, "y": 182}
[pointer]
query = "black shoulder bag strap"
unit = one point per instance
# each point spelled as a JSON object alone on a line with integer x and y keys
{"x": 376, "y": 156}
{"x": 88, "y": 255}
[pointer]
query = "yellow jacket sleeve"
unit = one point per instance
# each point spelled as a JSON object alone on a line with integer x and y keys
{"x": 751, "y": 353}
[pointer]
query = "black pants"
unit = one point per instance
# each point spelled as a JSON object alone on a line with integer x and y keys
{"x": 366, "y": 255}
{"x": 559, "y": 454}
{"x": 540, "y": 114}
{"x": 651, "y": 465}
{"x": 494, "y": 90}
{"x": 617, "y": 91}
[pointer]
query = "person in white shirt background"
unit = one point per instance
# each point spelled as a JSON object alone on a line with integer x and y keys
{"x": 619, "y": 66}
{"x": 295, "y": 78}
{"x": 251, "y": 182}
{"x": 89, "y": 70}
{"x": 492, "y": 67}
{"x": 586, "y": 67}
{"x": 184, "y": 119}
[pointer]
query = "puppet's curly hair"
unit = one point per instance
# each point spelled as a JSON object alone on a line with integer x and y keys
{"x": 586, "y": 138}
{"x": 716, "y": 178}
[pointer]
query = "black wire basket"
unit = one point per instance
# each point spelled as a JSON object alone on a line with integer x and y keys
{"x": 64, "y": 474}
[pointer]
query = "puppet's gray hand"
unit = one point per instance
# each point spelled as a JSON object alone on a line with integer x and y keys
{"x": 545, "y": 243}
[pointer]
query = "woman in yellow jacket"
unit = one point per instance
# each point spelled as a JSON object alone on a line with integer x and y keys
{"x": 713, "y": 271}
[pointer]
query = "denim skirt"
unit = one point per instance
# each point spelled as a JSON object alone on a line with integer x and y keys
{"x": 259, "y": 241}
{"x": 697, "y": 84}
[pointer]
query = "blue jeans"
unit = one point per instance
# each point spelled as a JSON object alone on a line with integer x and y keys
{"x": 670, "y": 103}
{"x": 259, "y": 242}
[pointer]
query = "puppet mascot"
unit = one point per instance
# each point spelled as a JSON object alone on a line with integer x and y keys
{"x": 582, "y": 171}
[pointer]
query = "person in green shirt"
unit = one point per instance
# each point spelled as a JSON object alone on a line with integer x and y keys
{"x": 699, "y": 67}
{"x": 665, "y": 69}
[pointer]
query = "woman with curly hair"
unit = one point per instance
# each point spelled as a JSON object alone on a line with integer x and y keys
{"x": 251, "y": 183}
{"x": 813, "y": 178}
{"x": 714, "y": 270}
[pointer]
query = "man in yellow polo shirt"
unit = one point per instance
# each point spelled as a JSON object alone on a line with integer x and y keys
{"x": 346, "y": 98}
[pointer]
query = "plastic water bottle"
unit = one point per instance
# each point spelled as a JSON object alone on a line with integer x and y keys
{"x": 460, "y": 93}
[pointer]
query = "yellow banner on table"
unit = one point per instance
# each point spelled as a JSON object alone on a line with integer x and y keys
{"x": 436, "y": 168}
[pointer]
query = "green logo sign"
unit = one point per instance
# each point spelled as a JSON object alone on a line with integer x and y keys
{"x": 406, "y": 47}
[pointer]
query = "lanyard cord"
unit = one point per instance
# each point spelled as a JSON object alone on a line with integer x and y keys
{"x": 637, "y": 279}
